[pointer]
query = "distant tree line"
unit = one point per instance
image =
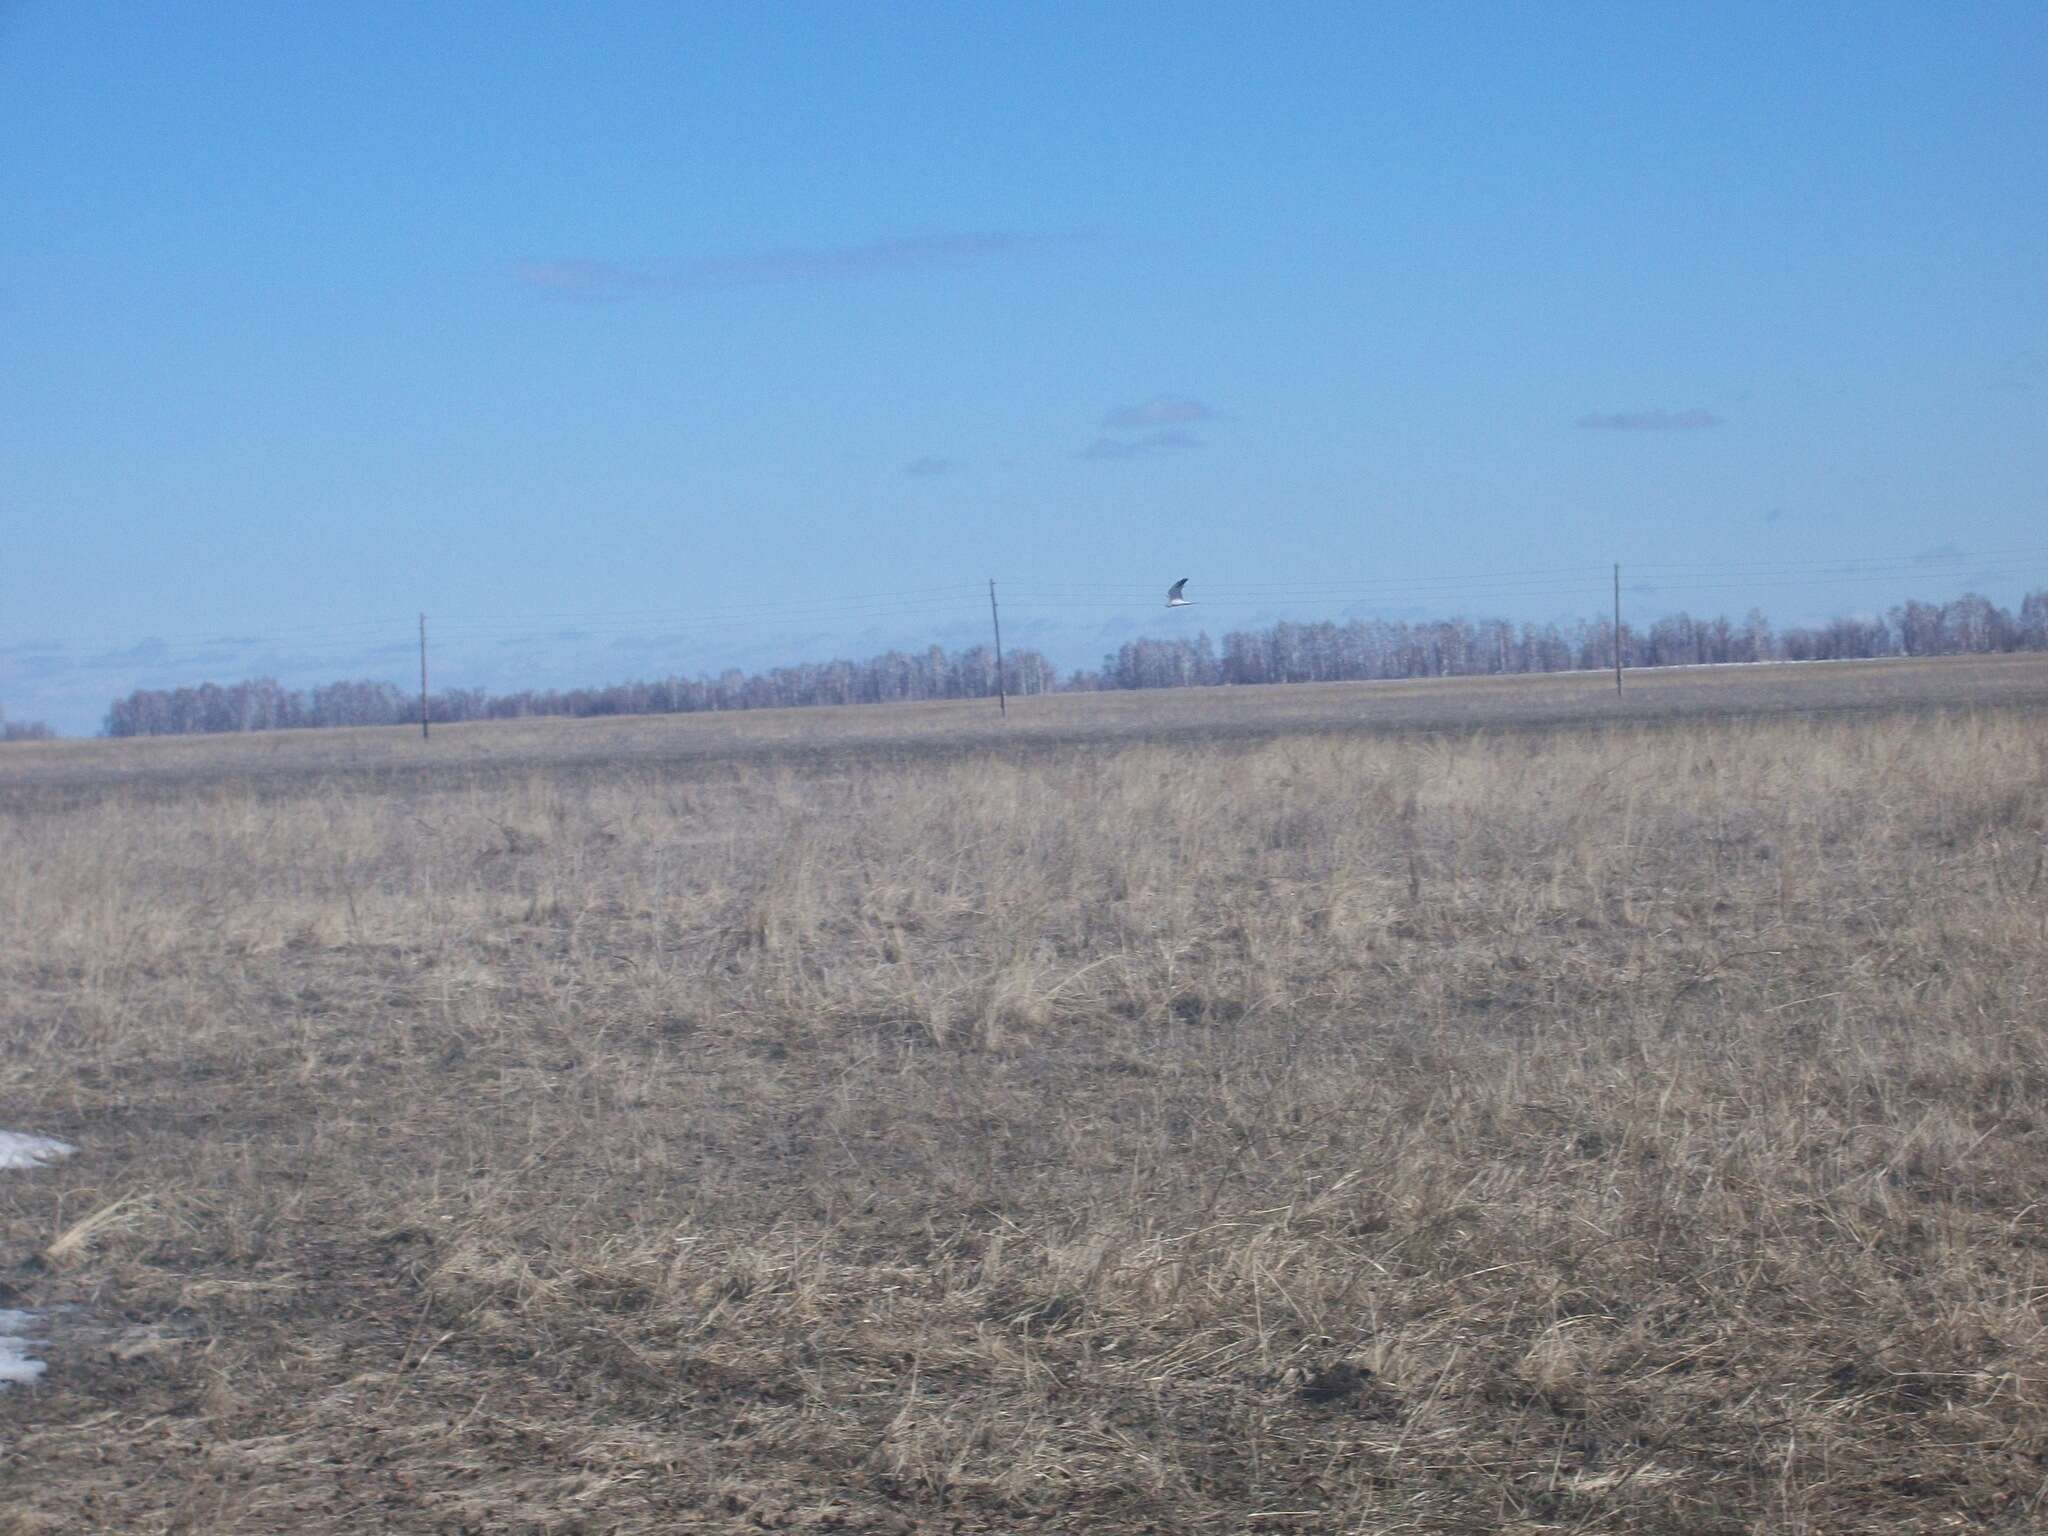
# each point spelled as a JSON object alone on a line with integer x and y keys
{"x": 24, "y": 730}
{"x": 263, "y": 704}
{"x": 1285, "y": 652}
{"x": 1390, "y": 648}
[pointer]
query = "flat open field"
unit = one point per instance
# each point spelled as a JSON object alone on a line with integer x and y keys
{"x": 1445, "y": 1107}
{"x": 871, "y": 733}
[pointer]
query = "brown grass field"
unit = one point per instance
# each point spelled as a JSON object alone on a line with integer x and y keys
{"x": 1443, "y": 1107}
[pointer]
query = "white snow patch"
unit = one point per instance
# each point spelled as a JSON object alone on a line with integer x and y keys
{"x": 19, "y": 1151}
{"x": 16, "y": 1363}
{"x": 15, "y": 1342}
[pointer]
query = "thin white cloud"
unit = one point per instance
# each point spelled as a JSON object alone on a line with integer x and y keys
{"x": 144, "y": 653}
{"x": 1159, "y": 411}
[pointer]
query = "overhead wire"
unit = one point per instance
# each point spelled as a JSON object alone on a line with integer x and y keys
{"x": 1923, "y": 560}
{"x": 1675, "y": 581}
{"x": 909, "y": 594}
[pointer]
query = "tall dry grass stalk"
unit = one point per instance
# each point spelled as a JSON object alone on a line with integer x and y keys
{"x": 1639, "y": 1129}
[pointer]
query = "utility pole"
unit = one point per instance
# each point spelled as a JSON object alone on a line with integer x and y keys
{"x": 1617, "y": 631}
{"x": 423, "y": 677}
{"x": 995, "y": 618}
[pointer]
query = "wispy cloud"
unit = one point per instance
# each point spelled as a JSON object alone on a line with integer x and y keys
{"x": 1159, "y": 411}
{"x": 1695, "y": 420}
{"x": 601, "y": 282}
{"x": 1117, "y": 448}
{"x": 923, "y": 468}
{"x": 143, "y": 653}
{"x": 24, "y": 662}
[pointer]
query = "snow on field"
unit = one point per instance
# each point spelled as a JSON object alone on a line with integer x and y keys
{"x": 16, "y": 1364}
{"x": 19, "y": 1151}
{"x": 15, "y": 1340}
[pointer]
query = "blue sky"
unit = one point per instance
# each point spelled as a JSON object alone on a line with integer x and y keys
{"x": 633, "y": 338}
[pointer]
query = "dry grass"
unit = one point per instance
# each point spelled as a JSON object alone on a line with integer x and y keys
{"x": 1624, "y": 1128}
{"x": 864, "y": 734}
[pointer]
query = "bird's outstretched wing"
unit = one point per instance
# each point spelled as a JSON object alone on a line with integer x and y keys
{"x": 1173, "y": 593}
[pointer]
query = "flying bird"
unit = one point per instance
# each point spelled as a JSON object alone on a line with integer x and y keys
{"x": 1173, "y": 597}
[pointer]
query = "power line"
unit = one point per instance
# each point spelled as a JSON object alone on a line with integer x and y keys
{"x": 713, "y": 611}
{"x": 1923, "y": 560}
{"x": 600, "y": 623}
{"x": 1675, "y": 581}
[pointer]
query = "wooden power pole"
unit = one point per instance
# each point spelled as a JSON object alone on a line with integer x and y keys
{"x": 1002, "y": 692}
{"x": 423, "y": 677}
{"x": 1617, "y": 631}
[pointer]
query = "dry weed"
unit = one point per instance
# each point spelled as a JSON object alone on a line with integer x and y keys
{"x": 1633, "y": 1128}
